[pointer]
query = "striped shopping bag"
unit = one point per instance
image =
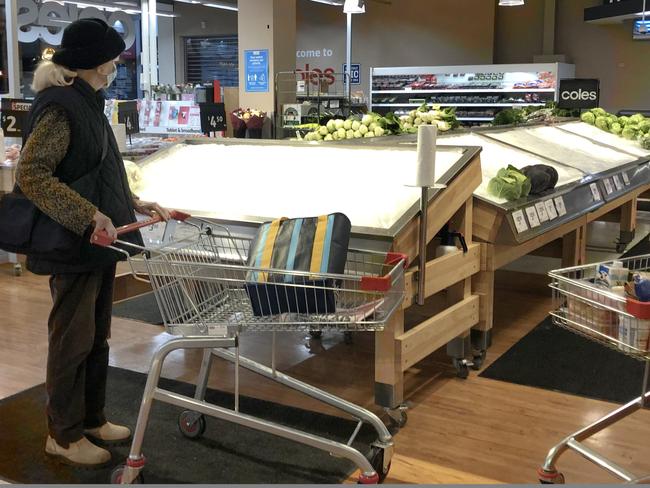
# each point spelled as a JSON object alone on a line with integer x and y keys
{"x": 315, "y": 245}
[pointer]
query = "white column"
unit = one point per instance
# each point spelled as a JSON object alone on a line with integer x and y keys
{"x": 13, "y": 55}
{"x": 153, "y": 42}
{"x": 146, "y": 46}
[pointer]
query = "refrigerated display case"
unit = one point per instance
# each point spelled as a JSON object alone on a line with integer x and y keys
{"x": 242, "y": 184}
{"x": 478, "y": 92}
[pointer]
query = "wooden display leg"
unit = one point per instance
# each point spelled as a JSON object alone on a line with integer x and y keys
{"x": 389, "y": 378}
{"x": 483, "y": 286}
{"x": 574, "y": 248}
{"x": 628, "y": 224}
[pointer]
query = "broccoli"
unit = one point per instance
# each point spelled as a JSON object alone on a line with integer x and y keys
{"x": 601, "y": 123}
{"x": 589, "y": 118}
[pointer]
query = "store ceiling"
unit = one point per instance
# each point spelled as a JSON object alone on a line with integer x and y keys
{"x": 613, "y": 13}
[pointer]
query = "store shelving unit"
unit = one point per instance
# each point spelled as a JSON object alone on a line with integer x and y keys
{"x": 478, "y": 92}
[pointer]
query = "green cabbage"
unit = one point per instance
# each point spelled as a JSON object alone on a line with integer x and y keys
{"x": 589, "y": 118}
{"x": 509, "y": 184}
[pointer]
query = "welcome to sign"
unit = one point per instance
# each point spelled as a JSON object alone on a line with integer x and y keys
{"x": 47, "y": 21}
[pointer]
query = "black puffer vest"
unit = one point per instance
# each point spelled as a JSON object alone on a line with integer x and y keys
{"x": 108, "y": 189}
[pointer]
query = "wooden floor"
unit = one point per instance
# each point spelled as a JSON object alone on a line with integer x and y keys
{"x": 473, "y": 431}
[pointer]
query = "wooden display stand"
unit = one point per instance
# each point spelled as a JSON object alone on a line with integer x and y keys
{"x": 398, "y": 349}
{"x": 567, "y": 242}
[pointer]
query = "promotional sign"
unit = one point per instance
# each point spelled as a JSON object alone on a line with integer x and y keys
{"x": 170, "y": 117}
{"x": 355, "y": 73}
{"x": 127, "y": 114}
{"x": 213, "y": 117}
{"x": 256, "y": 72}
{"x": 579, "y": 94}
{"x": 14, "y": 116}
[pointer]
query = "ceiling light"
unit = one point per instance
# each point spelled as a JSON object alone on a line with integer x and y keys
{"x": 510, "y": 3}
{"x": 222, "y": 5}
{"x": 354, "y": 7}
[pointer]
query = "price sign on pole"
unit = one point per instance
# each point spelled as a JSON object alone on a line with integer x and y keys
{"x": 127, "y": 114}
{"x": 213, "y": 117}
{"x": 14, "y": 116}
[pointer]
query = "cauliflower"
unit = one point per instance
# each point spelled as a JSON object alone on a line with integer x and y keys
{"x": 367, "y": 120}
{"x": 379, "y": 132}
{"x": 373, "y": 126}
{"x": 349, "y": 134}
{"x": 329, "y": 138}
{"x": 323, "y": 131}
{"x": 339, "y": 124}
{"x": 418, "y": 121}
{"x": 331, "y": 127}
{"x": 443, "y": 126}
{"x": 589, "y": 118}
{"x": 355, "y": 125}
{"x": 347, "y": 125}
{"x": 363, "y": 130}
{"x": 357, "y": 134}
{"x": 369, "y": 134}
{"x": 341, "y": 133}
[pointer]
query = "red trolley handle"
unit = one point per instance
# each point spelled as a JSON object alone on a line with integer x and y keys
{"x": 102, "y": 238}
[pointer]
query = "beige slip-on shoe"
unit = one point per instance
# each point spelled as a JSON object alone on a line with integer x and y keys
{"x": 83, "y": 453}
{"x": 109, "y": 434}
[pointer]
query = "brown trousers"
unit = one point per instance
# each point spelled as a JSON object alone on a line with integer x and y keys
{"x": 77, "y": 362}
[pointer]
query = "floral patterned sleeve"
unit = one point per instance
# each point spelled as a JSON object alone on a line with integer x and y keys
{"x": 45, "y": 148}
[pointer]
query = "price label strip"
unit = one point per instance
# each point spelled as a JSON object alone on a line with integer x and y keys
{"x": 550, "y": 209}
{"x": 14, "y": 116}
{"x": 595, "y": 192}
{"x": 541, "y": 212}
{"x": 626, "y": 178}
{"x": 608, "y": 186}
{"x": 520, "y": 221}
{"x": 533, "y": 218}
{"x": 618, "y": 183}
{"x": 559, "y": 205}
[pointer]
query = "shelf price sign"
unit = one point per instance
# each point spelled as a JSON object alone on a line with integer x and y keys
{"x": 213, "y": 117}
{"x": 14, "y": 116}
{"x": 127, "y": 114}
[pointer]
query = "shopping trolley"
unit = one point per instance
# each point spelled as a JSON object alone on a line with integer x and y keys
{"x": 200, "y": 283}
{"x": 621, "y": 323}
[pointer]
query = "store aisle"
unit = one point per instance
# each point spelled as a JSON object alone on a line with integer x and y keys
{"x": 473, "y": 431}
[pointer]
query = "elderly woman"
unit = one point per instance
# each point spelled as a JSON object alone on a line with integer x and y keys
{"x": 69, "y": 144}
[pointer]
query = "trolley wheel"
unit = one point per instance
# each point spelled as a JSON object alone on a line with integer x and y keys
{"x": 462, "y": 368}
{"x": 550, "y": 478}
{"x": 18, "y": 269}
{"x": 377, "y": 461}
{"x": 479, "y": 360}
{"x": 116, "y": 476}
{"x": 347, "y": 337}
{"x": 398, "y": 417}
{"x": 316, "y": 334}
{"x": 191, "y": 424}
{"x": 372, "y": 479}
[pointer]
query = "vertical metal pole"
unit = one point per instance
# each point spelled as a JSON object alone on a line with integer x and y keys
{"x": 144, "y": 35}
{"x": 646, "y": 379}
{"x": 424, "y": 210}
{"x": 153, "y": 41}
{"x": 13, "y": 53}
{"x": 348, "y": 68}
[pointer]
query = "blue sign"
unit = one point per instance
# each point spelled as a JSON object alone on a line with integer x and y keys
{"x": 355, "y": 73}
{"x": 257, "y": 70}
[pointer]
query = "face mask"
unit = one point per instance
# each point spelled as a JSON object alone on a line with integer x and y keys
{"x": 110, "y": 77}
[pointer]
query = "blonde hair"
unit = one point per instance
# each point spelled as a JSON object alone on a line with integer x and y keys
{"x": 50, "y": 74}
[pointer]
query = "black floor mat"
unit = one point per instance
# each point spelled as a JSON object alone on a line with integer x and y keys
{"x": 143, "y": 308}
{"x": 553, "y": 358}
{"x": 227, "y": 454}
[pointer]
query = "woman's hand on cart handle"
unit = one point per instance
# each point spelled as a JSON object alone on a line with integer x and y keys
{"x": 103, "y": 226}
{"x": 100, "y": 238}
{"x": 150, "y": 208}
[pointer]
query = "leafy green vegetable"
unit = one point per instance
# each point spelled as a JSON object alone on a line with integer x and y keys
{"x": 601, "y": 123}
{"x": 509, "y": 184}
{"x": 589, "y": 118}
{"x": 616, "y": 129}
{"x": 629, "y": 133}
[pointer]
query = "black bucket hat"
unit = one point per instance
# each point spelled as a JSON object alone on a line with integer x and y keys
{"x": 88, "y": 43}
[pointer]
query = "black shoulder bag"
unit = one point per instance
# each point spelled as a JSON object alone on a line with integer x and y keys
{"x": 24, "y": 229}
